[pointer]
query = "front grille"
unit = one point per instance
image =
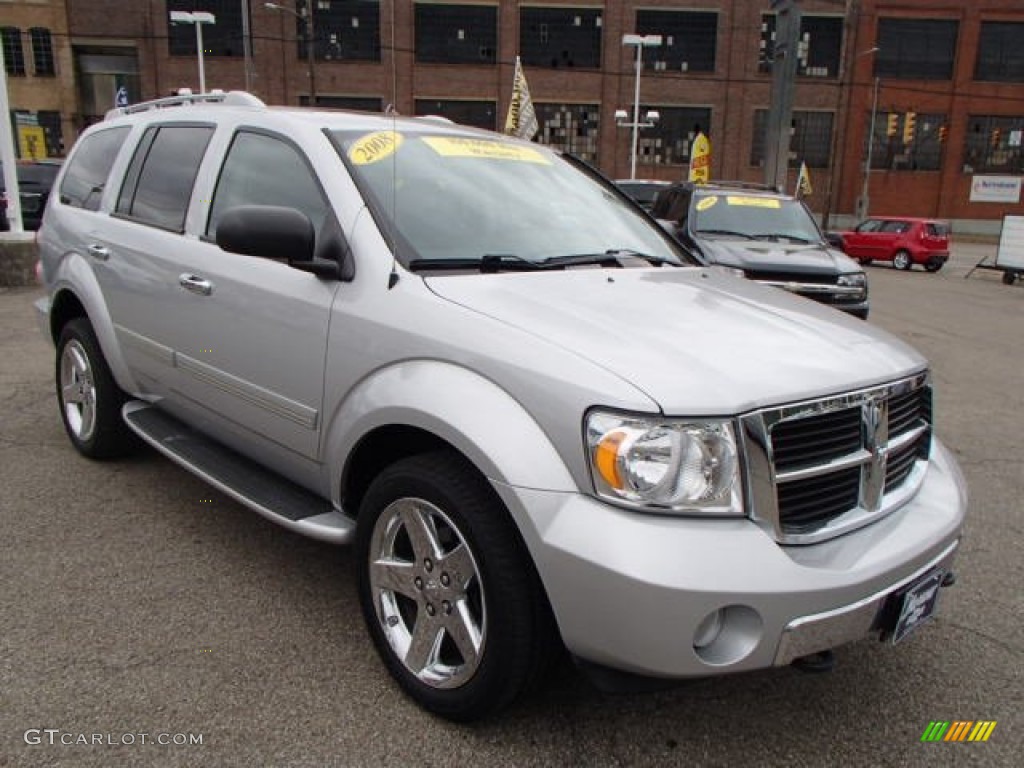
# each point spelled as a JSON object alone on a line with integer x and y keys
{"x": 816, "y": 439}
{"x": 812, "y": 502}
{"x": 830, "y": 465}
{"x": 823, "y": 288}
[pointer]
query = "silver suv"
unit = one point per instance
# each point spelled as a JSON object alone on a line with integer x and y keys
{"x": 538, "y": 422}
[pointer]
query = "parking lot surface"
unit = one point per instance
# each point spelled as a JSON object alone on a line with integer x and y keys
{"x": 141, "y": 606}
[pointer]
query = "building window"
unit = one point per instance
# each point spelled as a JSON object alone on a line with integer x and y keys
{"x": 908, "y": 141}
{"x": 357, "y": 103}
{"x": 479, "y": 114}
{"x": 456, "y": 34}
{"x": 345, "y": 30}
{"x": 50, "y": 122}
{"x": 42, "y": 51}
{"x": 571, "y": 128}
{"x": 562, "y": 37}
{"x": 1000, "y": 52}
{"x": 223, "y": 38}
{"x": 994, "y": 144}
{"x": 820, "y": 48}
{"x": 688, "y": 40}
{"x": 668, "y": 141}
{"x": 14, "y": 56}
{"x": 916, "y": 49}
{"x": 810, "y": 139}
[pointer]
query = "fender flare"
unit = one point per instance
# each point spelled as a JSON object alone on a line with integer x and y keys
{"x": 470, "y": 412}
{"x": 75, "y": 276}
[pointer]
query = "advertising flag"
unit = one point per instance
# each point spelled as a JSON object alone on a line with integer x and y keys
{"x": 521, "y": 120}
{"x": 700, "y": 160}
{"x": 803, "y": 182}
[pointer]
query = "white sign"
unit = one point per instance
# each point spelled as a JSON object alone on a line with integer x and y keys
{"x": 995, "y": 189}
{"x": 1011, "y": 243}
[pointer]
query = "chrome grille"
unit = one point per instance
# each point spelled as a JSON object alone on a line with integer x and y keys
{"x": 821, "y": 468}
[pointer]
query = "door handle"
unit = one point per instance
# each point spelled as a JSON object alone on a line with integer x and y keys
{"x": 195, "y": 284}
{"x": 98, "y": 252}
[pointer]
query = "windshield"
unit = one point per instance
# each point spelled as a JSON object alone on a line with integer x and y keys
{"x": 450, "y": 198}
{"x": 753, "y": 217}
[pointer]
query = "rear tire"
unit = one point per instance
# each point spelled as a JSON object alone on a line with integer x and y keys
{"x": 89, "y": 398}
{"x": 448, "y": 591}
{"x": 1009, "y": 278}
{"x": 933, "y": 265}
{"x": 902, "y": 260}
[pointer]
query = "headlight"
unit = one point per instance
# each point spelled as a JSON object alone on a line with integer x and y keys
{"x": 687, "y": 466}
{"x": 855, "y": 280}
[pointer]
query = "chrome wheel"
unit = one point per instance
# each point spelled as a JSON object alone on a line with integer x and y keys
{"x": 901, "y": 260}
{"x": 78, "y": 390}
{"x": 427, "y": 593}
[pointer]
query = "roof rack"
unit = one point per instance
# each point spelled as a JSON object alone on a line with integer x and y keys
{"x": 743, "y": 185}
{"x": 229, "y": 99}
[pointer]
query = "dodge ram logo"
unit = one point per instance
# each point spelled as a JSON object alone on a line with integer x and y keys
{"x": 875, "y": 418}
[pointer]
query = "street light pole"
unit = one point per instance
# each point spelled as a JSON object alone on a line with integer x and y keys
{"x": 864, "y": 199}
{"x": 198, "y": 18}
{"x": 640, "y": 41}
{"x": 307, "y": 17}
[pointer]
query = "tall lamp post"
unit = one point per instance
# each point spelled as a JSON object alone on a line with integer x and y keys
{"x": 864, "y": 197}
{"x": 641, "y": 42}
{"x": 198, "y": 18}
{"x": 307, "y": 17}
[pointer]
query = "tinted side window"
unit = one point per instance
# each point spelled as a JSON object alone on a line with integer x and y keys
{"x": 82, "y": 186}
{"x": 264, "y": 170}
{"x": 871, "y": 225}
{"x": 895, "y": 226}
{"x": 158, "y": 185}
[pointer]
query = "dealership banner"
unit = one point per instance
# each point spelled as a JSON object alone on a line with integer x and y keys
{"x": 995, "y": 189}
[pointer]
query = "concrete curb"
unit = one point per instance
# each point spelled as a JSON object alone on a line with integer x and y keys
{"x": 18, "y": 256}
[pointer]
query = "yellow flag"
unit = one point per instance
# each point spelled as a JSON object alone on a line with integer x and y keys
{"x": 803, "y": 182}
{"x": 700, "y": 160}
{"x": 521, "y": 120}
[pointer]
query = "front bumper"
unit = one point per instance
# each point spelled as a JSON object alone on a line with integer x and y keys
{"x": 632, "y": 592}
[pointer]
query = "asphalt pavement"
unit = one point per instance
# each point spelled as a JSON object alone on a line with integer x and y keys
{"x": 140, "y": 606}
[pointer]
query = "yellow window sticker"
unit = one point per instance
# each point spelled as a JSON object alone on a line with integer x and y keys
{"x": 753, "y": 202}
{"x": 706, "y": 202}
{"x": 375, "y": 146}
{"x": 451, "y": 146}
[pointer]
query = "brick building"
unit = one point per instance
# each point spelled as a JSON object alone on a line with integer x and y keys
{"x": 40, "y": 75}
{"x": 954, "y": 67}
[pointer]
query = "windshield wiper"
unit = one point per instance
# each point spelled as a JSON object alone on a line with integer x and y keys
{"x": 781, "y": 236}
{"x": 725, "y": 232}
{"x": 491, "y": 262}
{"x": 612, "y": 257}
{"x": 509, "y": 262}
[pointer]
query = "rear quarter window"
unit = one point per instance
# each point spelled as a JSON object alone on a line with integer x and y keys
{"x": 936, "y": 230}
{"x": 89, "y": 168}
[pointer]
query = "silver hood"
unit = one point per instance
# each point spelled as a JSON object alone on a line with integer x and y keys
{"x": 760, "y": 256}
{"x": 696, "y": 340}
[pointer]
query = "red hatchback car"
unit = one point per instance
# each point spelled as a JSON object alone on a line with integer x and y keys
{"x": 904, "y": 241}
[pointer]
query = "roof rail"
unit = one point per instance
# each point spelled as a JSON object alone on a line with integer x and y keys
{"x": 229, "y": 99}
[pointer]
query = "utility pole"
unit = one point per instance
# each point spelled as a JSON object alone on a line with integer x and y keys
{"x": 780, "y": 114}
{"x": 247, "y": 45}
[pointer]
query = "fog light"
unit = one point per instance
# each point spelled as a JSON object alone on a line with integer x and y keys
{"x": 708, "y": 630}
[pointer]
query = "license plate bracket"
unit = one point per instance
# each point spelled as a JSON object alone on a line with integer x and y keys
{"x": 914, "y": 605}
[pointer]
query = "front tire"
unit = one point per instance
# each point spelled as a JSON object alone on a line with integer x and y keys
{"x": 448, "y": 591}
{"x": 89, "y": 398}
{"x": 902, "y": 260}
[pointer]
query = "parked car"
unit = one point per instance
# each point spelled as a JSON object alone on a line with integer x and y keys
{"x": 535, "y": 417}
{"x": 644, "y": 191}
{"x": 903, "y": 240}
{"x": 769, "y": 237}
{"x": 35, "y": 180}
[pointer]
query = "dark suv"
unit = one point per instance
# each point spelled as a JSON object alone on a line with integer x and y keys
{"x": 35, "y": 180}
{"x": 768, "y": 236}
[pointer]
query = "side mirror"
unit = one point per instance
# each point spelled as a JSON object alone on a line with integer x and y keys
{"x": 273, "y": 232}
